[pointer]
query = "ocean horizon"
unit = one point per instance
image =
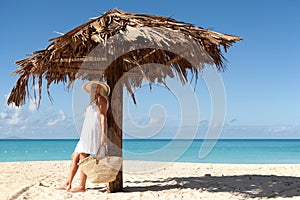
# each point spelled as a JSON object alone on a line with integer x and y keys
{"x": 231, "y": 151}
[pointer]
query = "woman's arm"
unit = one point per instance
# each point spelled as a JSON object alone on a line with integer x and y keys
{"x": 103, "y": 118}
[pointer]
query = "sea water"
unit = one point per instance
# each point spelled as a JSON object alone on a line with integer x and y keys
{"x": 224, "y": 151}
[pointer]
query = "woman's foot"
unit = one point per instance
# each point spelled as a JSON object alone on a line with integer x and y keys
{"x": 78, "y": 189}
{"x": 64, "y": 187}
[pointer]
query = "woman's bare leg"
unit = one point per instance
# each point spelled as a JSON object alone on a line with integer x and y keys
{"x": 73, "y": 170}
{"x": 83, "y": 177}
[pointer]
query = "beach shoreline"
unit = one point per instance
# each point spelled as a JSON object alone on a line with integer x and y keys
{"x": 160, "y": 180}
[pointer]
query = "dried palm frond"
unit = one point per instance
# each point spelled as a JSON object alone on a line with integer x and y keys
{"x": 119, "y": 44}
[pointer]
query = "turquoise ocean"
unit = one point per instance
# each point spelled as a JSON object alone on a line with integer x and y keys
{"x": 225, "y": 151}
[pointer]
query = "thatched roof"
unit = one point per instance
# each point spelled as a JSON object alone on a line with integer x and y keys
{"x": 124, "y": 42}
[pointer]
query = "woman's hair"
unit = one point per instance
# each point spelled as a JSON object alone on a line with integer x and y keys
{"x": 94, "y": 98}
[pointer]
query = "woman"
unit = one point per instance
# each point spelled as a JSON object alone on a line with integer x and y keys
{"x": 93, "y": 133}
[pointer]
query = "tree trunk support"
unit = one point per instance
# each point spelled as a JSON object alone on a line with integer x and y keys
{"x": 114, "y": 135}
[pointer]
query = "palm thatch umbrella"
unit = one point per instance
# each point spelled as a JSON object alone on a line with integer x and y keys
{"x": 114, "y": 36}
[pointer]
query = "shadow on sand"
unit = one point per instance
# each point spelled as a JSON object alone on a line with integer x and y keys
{"x": 251, "y": 186}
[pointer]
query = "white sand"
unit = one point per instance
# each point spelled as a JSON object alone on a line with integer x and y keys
{"x": 37, "y": 180}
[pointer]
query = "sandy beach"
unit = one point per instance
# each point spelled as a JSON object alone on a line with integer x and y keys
{"x": 37, "y": 180}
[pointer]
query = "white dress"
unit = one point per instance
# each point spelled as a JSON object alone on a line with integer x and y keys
{"x": 90, "y": 138}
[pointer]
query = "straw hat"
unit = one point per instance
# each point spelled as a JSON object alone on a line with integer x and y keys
{"x": 87, "y": 87}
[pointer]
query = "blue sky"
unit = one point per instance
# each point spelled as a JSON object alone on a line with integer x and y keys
{"x": 261, "y": 81}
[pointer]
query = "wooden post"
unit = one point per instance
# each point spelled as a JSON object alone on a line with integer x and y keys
{"x": 114, "y": 135}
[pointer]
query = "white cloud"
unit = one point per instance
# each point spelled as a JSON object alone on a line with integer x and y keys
{"x": 60, "y": 118}
{"x": 12, "y": 115}
{"x": 285, "y": 129}
{"x": 15, "y": 119}
{"x": 278, "y": 129}
{"x": 32, "y": 107}
{"x": 28, "y": 122}
{"x": 204, "y": 123}
{"x": 143, "y": 125}
{"x": 232, "y": 130}
{"x": 3, "y": 115}
{"x": 233, "y": 120}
